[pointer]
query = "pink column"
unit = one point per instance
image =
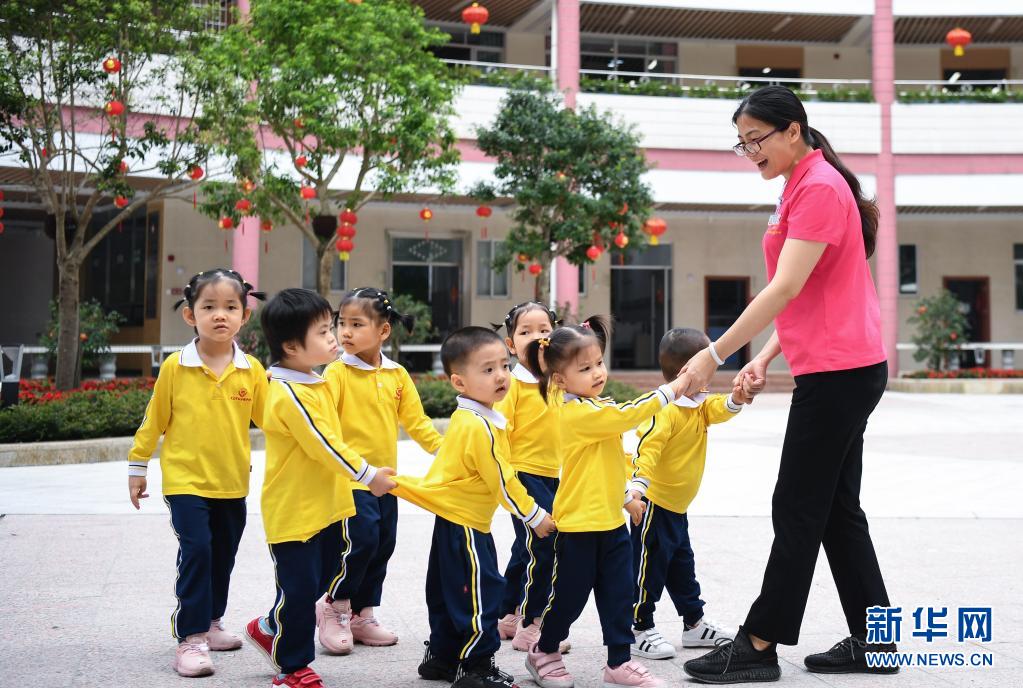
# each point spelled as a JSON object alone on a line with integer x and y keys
{"x": 887, "y": 262}
{"x": 245, "y": 256}
{"x": 567, "y": 283}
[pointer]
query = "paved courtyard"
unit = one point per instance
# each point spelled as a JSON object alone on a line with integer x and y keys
{"x": 86, "y": 584}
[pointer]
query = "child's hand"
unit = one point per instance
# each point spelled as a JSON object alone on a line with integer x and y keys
{"x": 136, "y": 489}
{"x": 545, "y": 527}
{"x": 636, "y": 508}
{"x": 740, "y": 396}
{"x": 747, "y": 388}
{"x": 382, "y": 483}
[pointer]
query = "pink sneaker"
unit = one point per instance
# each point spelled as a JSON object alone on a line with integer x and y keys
{"x": 220, "y": 640}
{"x": 508, "y": 625}
{"x": 368, "y": 631}
{"x": 192, "y": 657}
{"x": 528, "y": 636}
{"x": 261, "y": 641}
{"x": 630, "y": 674}
{"x": 334, "y": 624}
{"x": 303, "y": 678}
{"x": 547, "y": 669}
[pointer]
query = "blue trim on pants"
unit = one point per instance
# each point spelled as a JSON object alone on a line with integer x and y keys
{"x": 662, "y": 557}
{"x": 527, "y": 578}
{"x": 208, "y": 532}
{"x": 371, "y": 536}
{"x": 463, "y": 593}
{"x": 303, "y": 572}
{"x": 601, "y": 562}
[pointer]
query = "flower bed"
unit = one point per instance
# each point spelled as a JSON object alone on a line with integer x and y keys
{"x": 44, "y": 392}
{"x": 964, "y": 374}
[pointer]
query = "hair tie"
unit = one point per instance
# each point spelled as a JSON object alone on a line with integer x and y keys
{"x": 585, "y": 325}
{"x": 544, "y": 342}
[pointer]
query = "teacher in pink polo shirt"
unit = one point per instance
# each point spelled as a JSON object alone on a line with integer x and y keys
{"x": 822, "y": 301}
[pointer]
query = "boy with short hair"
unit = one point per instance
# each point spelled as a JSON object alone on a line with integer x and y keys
{"x": 469, "y": 478}
{"x": 669, "y": 466}
{"x": 303, "y": 502}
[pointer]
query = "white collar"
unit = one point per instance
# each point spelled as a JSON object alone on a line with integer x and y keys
{"x": 190, "y": 356}
{"x": 490, "y": 414}
{"x": 356, "y": 362}
{"x": 571, "y": 397}
{"x": 522, "y": 374}
{"x": 289, "y": 375}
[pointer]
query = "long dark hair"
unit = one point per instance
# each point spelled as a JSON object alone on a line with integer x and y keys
{"x": 780, "y": 107}
{"x": 563, "y": 345}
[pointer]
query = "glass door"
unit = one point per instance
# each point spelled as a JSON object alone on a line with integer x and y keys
{"x": 430, "y": 271}
{"x": 641, "y": 303}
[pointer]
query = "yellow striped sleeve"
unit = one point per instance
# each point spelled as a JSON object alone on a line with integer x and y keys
{"x": 594, "y": 420}
{"x": 718, "y": 408}
{"x": 413, "y": 418}
{"x": 499, "y": 476}
{"x": 653, "y": 435}
{"x": 156, "y": 419}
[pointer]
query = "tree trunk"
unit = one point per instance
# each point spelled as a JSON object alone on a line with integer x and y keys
{"x": 326, "y": 258}
{"x": 542, "y": 282}
{"x": 68, "y": 370}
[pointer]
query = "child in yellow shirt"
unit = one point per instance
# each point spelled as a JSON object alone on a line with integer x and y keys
{"x": 304, "y": 504}
{"x": 468, "y": 479}
{"x": 592, "y": 550}
{"x": 669, "y": 466}
{"x": 203, "y": 401}
{"x": 375, "y": 395}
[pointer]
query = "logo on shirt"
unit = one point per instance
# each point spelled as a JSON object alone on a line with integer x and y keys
{"x": 397, "y": 393}
{"x": 241, "y": 395}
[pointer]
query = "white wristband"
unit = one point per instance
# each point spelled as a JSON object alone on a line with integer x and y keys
{"x": 714, "y": 354}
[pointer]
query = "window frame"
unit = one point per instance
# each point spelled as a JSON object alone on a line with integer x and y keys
{"x": 492, "y": 244}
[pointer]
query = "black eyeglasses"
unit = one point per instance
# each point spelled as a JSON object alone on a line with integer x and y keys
{"x": 753, "y": 147}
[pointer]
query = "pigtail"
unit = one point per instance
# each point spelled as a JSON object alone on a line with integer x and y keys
{"x": 407, "y": 320}
{"x": 188, "y": 294}
{"x": 533, "y": 363}
{"x": 600, "y": 325}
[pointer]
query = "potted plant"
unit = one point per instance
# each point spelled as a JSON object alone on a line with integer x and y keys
{"x": 97, "y": 328}
{"x": 940, "y": 329}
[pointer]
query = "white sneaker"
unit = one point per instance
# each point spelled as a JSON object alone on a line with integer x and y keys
{"x": 705, "y": 634}
{"x": 652, "y": 645}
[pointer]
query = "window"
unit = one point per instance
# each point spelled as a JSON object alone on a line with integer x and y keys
{"x": 907, "y": 269}
{"x": 627, "y": 55}
{"x": 490, "y": 282}
{"x": 310, "y": 269}
{"x": 486, "y": 46}
{"x": 120, "y": 272}
{"x": 1017, "y": 254}
{"x": 582, "y": 278}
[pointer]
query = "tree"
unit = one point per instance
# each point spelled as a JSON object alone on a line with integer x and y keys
{"x": 340, "y": 100}
{"x": 940, "y": 329}
{"x": 79, "y": 123}
{"x": 576, "y": 179}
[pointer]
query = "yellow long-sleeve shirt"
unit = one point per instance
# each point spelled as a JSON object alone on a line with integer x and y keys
{"x": 672, "y": 451}
{"x": 471, "y": 474}
{"x": 534, "y": 428}
{"x": 204, "y": 419}
{"x": 372, "y": 402}
{"x": 595, "y": 472}
{"x": 304, "y": 456}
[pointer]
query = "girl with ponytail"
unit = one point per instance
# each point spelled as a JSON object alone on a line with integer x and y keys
{"x": 593, "y": 551}
{"x": 822, "y": 301}
{"x": 374, "y": 396}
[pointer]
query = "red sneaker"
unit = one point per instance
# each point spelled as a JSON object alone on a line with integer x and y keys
{"x": 303, "y": 678}
{"x": 262, "y": 642}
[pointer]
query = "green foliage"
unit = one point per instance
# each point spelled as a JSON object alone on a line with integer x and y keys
{"x": 658, "y": 87}
{"x": 329, "y": 79}
{"x": 944, "y": 95}
{"x": 940, "y": 328}
{"x": 97, "y": 326}
{"x": 75, "y": 417}
{"x": 252, "y": 340}
{"x": 620, "y": 391}
{"x": 575, "y": 176}
{"x": 437, "y": 395}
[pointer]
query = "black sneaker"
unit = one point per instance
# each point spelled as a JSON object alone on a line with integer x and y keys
{"x": 849, "y": 657}
{"x": 482, "y": 673}
{"x": 735, "y": 661}
{"x": 433, "y": 668}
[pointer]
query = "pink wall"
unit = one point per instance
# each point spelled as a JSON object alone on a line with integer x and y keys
{"x": 887, "y": 262}
{"x": 566, "y": 289}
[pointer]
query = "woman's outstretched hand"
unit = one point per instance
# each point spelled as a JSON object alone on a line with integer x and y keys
{"x": 695, "y": 375}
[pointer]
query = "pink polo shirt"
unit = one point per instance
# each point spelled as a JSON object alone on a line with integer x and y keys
{"x": 835, "y": 321}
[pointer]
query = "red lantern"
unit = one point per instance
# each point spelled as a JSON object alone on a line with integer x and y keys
{"x": 621, "y": 241}
{"x": 535, "y": 269}
{"x": 523, "y": 258}
{"x": 425, "y": 214}
{"x": 247, "y": 185}
{"x": 958, "y": 38}
{"x": 593, "y": 253}
{"x": 655, "y": 227}
{"x": 111, "y": 65}
{"x": 243, "y": 205}
{"x": 120, "y": 201}
{"x": 114, "y": 108}
{"x": 348, "y": 217}
{"x": 299, "y": 123}
{"x": 301, "y": 161}
{"x": 122, "y": 167}
{"x": 44, "y": 153}
{"x": 307, "y": 192}
{"x": 344, "y": 246}
{"x": 266, "y": 226}
{"x": 196, "y": 173}
{"x": 226, "y": 223}
{"x": 346, "y": 231}
{"x": 475, "y": 15}
{"x": 484, "y": 211}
